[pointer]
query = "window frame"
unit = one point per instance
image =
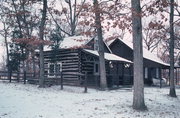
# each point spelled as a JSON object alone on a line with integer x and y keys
{"x": 53, "y": 74}
{"x": 96, "y": 68}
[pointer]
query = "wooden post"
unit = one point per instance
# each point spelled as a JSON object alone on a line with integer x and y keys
{"x": 123, "y": 77}
{"x": 169, "y": 76}
{"x": 160, "y": 76}
{"x": 176, "y": 76}
{"x": 85, "y": 82}
{"x": 10, "y": 75}
{"x": 24, "y": 77}
{"x": 61, "y": 81}
{"x": 58, "y": 78}
{"x": 117, "y": 73}
{"x": 18, "y": 76}
{"x": 56, "y": 72}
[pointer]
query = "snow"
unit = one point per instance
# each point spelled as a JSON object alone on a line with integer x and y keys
{"x": 29, "y": 101}
{"x": 71, "y": 42}
{"x": 108, "y": 56}
{"x": 146, "y": 54}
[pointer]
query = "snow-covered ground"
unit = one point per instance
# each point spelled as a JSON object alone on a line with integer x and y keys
{"x": 29, "y": 101}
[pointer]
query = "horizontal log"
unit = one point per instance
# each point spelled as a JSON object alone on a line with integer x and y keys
{"x": 65, "y": 58}
{"x": 61, "y": 54}
{"x": 60, "y": 57}
{"x": 63, "y": 50}
{"x": 70, "y": 66}
{"x": 71, "y": 61}
{"x": 70, "y": 69}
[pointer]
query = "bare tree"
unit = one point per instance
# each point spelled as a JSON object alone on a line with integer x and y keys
{"x": 151, "y": 38}
{"x": 103, "y": 81}
{"x": 67, "y": 18}
{"x": 5, "y": 32}
{"x": 41, "y": 36}
{"x": 172, "y": 91}
{"x": 138, "y": 95}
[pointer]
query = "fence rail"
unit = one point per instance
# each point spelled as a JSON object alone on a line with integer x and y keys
{"x": 57, "y": 78}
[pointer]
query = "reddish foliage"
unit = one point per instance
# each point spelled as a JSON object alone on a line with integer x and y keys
{"x": 31, "y": 43}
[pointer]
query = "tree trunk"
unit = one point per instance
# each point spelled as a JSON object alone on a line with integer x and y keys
{"x": 41, "y": 35}
{"x": 138, "y": 95}
{"x": 172, "y": 91}
{"x": 7, "y": 51}
{"x": 34, "y": 64}
{"x": 102, "y": 70}
{"x": 17, "y": 17}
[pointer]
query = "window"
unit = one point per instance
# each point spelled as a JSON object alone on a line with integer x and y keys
{"x": 52, "y": 69}
{"x": 59, "y": 67}
{"x": 96, "y": 68}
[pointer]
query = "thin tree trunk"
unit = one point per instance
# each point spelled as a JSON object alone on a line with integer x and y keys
{"x": 138, "y": 95}
{"x": 17, "y": 18}
{"x": 172, "y": 91}
{"x": 7, "y": 51}
{"x": 41, "y": 35}
{"x": 102, "y": 70}
{"x": 34, "y": 65}
{"x": 27, "y": 36}
{"x": 23, "y": 62}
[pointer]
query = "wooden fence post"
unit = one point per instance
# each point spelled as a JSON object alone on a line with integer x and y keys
{"x": 58, "y": 78}
{"x": 85, "y": 82}
{"x": 61, "y": 81}
{"x": 18, "y": 76}
{"x": 24, "y": 77}
{"x": 10, "y": 75}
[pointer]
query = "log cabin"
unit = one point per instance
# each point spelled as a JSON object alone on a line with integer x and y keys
{"x": 79, "y": 54}
{"x": 153, "y": 65}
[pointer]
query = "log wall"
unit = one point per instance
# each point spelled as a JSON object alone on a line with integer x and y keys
{"x": 70, "y": 60}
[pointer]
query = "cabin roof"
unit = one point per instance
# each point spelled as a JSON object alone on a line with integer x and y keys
{"x": 72, "y": 42}
{"x": 75, "y": 42}
{"x": 108, "y": 56}
{"x": 146, "y": 54}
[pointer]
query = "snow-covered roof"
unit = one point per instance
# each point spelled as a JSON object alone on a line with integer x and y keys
{"x": 72, "y": 42}
{"x": 146, "y": 54}
{"x": 108, "y": 56}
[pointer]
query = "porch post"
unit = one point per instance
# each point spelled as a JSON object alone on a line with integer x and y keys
{"x": 169, "y": 76}
{"x": 117, "y": 77}
{"x": 160, "y": 76}
{"x": 123, "y": 73}
{"x": 85, "y": 82}
{"x": 176, "y": 75}
{"x": 61, "y": 81}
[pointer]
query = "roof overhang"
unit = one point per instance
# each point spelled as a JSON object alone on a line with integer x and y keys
{"x": 108, "y": 56}
{"x": 146, "y": 54}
